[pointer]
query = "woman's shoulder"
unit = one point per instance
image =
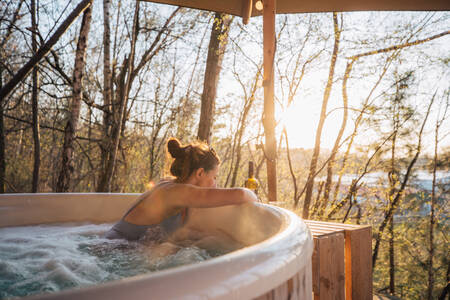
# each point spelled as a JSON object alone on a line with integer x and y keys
{"x": 170, "y": 183}
{"x": 167, "y": 186}
{"x": 156, "y": 188}
{"x": 161, "y": 183}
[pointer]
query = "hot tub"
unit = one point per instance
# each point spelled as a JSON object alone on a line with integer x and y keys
{"x": 275, "y": 264}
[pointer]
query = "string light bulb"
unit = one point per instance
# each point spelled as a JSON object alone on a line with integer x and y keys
{"x": 259, "y": 5}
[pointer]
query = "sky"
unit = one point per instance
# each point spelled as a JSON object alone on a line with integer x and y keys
{"x": 302, "y": 117}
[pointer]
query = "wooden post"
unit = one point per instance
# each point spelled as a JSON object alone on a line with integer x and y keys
{"x": 269, "y": 106}
{"x": 358, "y": 265}
{"x": 247, "y": 6}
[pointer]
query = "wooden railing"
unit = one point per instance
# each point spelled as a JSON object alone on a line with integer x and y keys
{"x": 342, "y": 261}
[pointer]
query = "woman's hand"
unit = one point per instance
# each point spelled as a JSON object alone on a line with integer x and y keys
{"x": 160, "y": 251}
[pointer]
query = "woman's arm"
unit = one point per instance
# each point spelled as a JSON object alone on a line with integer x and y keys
{"x": 186, "y": 195}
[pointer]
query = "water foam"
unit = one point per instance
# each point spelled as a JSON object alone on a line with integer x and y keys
{"x": 50, "y": 258}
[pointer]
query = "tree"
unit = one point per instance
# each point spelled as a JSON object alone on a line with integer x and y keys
{"x": 126, "y": 74}
{"x": 394, "y": 200}
{"x": 326, "y": 95}
{"x": 397, "y": 111}
{"x": 43, "y": 51}
{"x": 63, "y": 184}
{"x": 216, "y": 50}
{"x": 35, "y": 106}
{"x": 367, "y": 107}
{"x": 3, "y": 55}
{"x": 125, "y": 85}
{"x": 249, "y": 99}
{"x": 439, "y": 121}
{"x": 292, "y": 64}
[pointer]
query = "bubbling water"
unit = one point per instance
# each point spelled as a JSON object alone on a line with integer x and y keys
{"x": 50, "y": 258}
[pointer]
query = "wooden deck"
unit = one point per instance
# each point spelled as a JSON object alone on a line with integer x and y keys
{"x": 342, "y": 261}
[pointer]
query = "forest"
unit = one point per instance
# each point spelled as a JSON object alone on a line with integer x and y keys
{"x": 90, "y": 91}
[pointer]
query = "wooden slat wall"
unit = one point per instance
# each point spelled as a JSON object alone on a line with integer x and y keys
{"x": 341, "y": 265}
{"x": 328, "y": 266}
{"x": 358, "y": 259}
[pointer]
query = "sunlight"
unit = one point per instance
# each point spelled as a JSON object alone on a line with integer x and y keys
{"x": 300, "y": 122}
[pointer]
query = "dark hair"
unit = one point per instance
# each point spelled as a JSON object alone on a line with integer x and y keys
{"x": 191, "y": 157}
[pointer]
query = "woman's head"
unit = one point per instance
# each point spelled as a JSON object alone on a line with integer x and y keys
{"x": 191, "y": 158}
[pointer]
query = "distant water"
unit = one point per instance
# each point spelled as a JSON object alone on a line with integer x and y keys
{"x": 423, "y": 179}
{"x": 50, "y": 258}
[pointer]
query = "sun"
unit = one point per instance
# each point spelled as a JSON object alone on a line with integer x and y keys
{"x": 300, "y": 123}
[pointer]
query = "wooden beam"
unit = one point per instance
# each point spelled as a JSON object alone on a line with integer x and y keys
{"x": 247, "y": 6}
{"x": 269, "y": 105}
{"x": 234, "y": 7}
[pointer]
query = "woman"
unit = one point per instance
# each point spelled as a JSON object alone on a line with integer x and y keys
{"x": 195, "y": 169}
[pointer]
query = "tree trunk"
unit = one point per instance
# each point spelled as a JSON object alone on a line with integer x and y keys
{"x": 433, "y": 207}
{"x": 291, "y": 169}
{"x": 216, "y": 50}
{"x": 35, "y": 106}
{"x": 431, "y": 230}
{"x": 105, "y": 183}
{"x": 326, "y": 95}
{"x": 351, "y": 201}
{"x": 2, "y": 142}
{"x": 358, "y": 119}
{"x": 11, "y": 25}
{"x": 107, "y": 84}
{"x": 66, "y": 170}
{"x": 43, "y": 51}
{"x": 328, "y": 182}
{"x": 391, "y": 258}
{"x": 248, "y": 104}
{"x": 445, "y": 290}
{"x": 316, "y": 204}
{"x": 393, "y": 181}
{"x": 238, "y": 148}
{"x": 123, "y": 82}
{"x": 3, "y": 42}
{"x": 107, "y": 81}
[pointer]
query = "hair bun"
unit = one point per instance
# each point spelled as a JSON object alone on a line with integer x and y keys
{"x": 175, "y": 149}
